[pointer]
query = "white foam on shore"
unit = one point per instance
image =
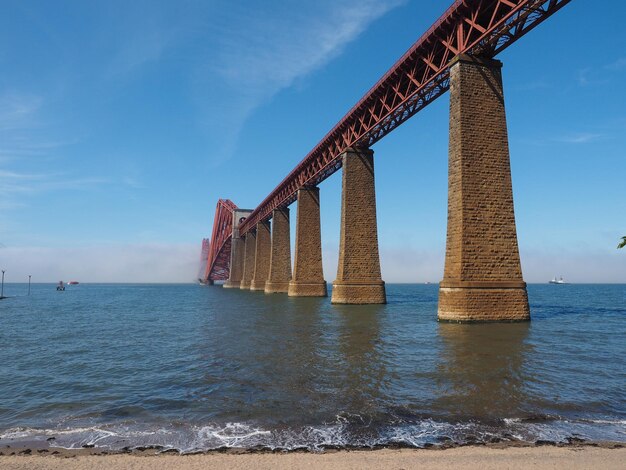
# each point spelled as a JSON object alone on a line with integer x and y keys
{"x": 344, "y": 433}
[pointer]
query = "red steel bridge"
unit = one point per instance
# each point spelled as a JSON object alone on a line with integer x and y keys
{"x": 481, "y": 28}
{"x": 215, "y": 258}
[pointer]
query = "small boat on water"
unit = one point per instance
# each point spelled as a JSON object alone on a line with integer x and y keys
{"x": 72, "y": 283}
{"x": 557, "y": 281}
{"x": 60, "y": 286}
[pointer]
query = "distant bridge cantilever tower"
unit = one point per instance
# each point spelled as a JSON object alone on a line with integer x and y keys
{"x": 217, "y": 260}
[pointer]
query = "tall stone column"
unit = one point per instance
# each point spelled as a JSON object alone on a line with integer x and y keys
{"x": 483, "y": 276}
{"x": 280, "y": 256}
{"x": 262, "y": 258}
{"x": 308, "y": 277}
{"x": 237, "y": 251}
{"x": 248, "y": 262}
{"x": 358, "y": 273}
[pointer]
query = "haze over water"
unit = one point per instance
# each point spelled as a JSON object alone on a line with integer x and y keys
{"x": 198, "y": 368}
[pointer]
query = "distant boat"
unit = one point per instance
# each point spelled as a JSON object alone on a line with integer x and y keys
{"x": 557, "y": 281}
{"x": 72, "y": 283}
{"x": 60, "y": 286}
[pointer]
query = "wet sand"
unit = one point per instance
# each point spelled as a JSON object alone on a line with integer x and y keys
{"x": 480, "y": 457}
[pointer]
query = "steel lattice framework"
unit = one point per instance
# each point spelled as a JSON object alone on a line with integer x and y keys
{"x": 478, "y": 27}
{"x": 218, "y": 260}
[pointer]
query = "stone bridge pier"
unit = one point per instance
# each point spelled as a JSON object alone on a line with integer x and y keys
{"x": 482, "y": 275}
{"x": 308, "y": 277}
{"x": 237, "y": 251}
{"x": 358, "y": 272}
{"x": 262, "y": 256}
{"x": 248, "y": 261}
{"x": 280, "y": 255}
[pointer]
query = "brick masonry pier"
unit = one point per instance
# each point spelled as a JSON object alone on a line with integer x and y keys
{"x": 280, "y": 255}
{"x": 358, "y": 272}
{"x": 237, "y": 251}
{"x": 248, "y": 262}
{"x": 262, "y": 256}
{"x": 308, "y": 276}
{"x": 482, "y": 276}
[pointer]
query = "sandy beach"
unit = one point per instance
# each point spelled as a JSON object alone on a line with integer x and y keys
{"x": 463, "y": 457}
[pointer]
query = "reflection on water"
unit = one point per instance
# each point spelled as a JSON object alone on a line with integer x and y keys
{"x": 201, "y": 368}
{"x": 363, "y": 370}
{"x": 482, "y": 373}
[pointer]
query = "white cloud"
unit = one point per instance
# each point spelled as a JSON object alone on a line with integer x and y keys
{"x": 596, "y": 266}
{"x": 103, "y": 263}
{"x": 579, "y": 138}
{"x": 11, "y": 175}
{"x": 407, "y": 265}
{"x": 154, "y": 262}
{"x": 619, "y": 64}
{"x": 20, "y": 119}
{"x": 259, "y": 53}
{"x": 268, "y": 53}
{"x": 412, "y": 266}
{"x": 133, "y": 182}
{"x": 534, "y": 85}
{"x": 601, "y": 75}
{"x": 145, "y": 46}
{"x": 18, "y": 111}
{"x": 13, "y": 184}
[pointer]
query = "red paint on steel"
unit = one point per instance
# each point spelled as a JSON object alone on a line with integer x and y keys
{"x": 218, "y": 260}
{"x": 478, "y": 27}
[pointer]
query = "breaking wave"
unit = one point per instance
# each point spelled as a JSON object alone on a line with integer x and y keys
{"x": 342, "y": 434}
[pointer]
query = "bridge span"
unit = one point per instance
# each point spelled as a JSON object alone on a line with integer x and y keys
{"x": 482, "y": 274}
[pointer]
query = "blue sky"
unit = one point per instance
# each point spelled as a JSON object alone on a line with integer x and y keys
{"x": 122, "y": 123}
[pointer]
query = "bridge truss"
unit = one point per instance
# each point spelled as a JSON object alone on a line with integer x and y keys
{"x": 218, "y": 253}
{"x": 478, "y": 27}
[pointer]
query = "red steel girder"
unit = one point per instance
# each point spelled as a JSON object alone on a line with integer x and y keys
{"x": 218, "y": 257}
{"x": 478, "y": 27}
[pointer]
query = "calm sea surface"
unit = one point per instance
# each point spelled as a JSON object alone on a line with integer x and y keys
{"x": 196, "y": 368}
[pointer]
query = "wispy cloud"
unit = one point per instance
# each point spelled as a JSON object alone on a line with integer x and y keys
{"x": 579, "y": 138}
{"x": 534, "y": 85}
{"x": 259, "y": 53}
{"x": 145, "y": 46}
{"x": 13, "y": 184}
{"x": 574, "y": 138}
{"x": 21, "y": 127}
{"x": 619, "y": 64}
{"x": 602, "y": 74}
{"x": 17, "y": 146}
{"x": 268, "y": 53}
{"x": 18, "y": 111}
{"x": 11, "y": 175}
{"x": 20, "y": 121}
{"x": 132, "y": 182}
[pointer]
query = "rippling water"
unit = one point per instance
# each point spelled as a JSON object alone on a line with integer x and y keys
{"x": 198, "y": 368}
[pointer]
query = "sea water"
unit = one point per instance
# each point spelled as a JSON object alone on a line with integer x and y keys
{"x": 195, "y": 368}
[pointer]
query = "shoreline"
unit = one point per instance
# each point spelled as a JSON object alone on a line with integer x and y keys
{"x": 570, "y": 456}
{"x": 44, "y": 449}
